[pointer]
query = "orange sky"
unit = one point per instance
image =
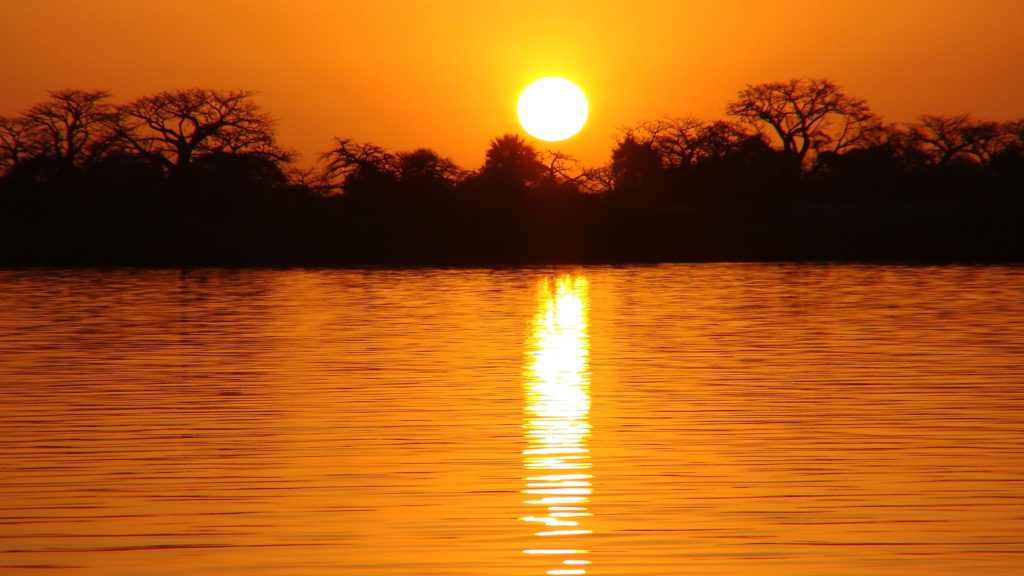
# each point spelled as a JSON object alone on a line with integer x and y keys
{"x": 446, "y": 74}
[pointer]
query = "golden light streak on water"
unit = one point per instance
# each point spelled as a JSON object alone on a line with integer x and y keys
{"x": 557, "y": 425}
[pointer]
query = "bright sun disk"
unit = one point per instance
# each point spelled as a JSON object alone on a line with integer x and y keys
{"x": 552, "y": 109}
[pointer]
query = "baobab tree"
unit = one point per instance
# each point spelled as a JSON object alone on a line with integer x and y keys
{"x": 945, "y": 139}
{"x": 808, "y": 116}
{"x": 171, "y": 128}
{"x": 72, "y": 126}
{"x": 18, "y": 142}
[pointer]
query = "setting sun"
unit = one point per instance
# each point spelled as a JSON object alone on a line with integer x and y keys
{"x": 552, "y": 109}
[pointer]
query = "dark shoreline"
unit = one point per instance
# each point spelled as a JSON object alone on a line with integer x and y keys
{"x": 141, "y": 184}
{"x": 65, "y": 247}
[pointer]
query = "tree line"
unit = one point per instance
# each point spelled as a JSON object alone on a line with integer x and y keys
{"x": 797, "y": 170}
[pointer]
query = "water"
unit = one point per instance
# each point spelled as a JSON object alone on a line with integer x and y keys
{"x": 691, "y": 419}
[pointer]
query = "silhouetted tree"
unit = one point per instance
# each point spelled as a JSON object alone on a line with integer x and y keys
{"x": 73, "y": 125}
{"x": 1014, "y": 131}
{"x": 513, "y": 162}
{"x": 682, "y": 142}
{"x": 636, "y": 168}
{"x": 424, "y": 170}
{"x": 807, "y": 116}
{"x": 17, "y": 142}
{"x": 946, "y": 139}
{"x": 596, "y": 181}
{"x": 563, "y": 173}
{"x": 173, "y": 127}
{"x": 196, "y": 176}
{"x": 672, "y": 138}
{"x": 718, "y": 139}
{"x": 354, "y": 167}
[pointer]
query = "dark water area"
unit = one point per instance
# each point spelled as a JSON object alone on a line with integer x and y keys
{"x": 713, "y": 419}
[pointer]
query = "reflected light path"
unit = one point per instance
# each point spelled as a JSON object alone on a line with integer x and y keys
{"x": 557, "y": 481}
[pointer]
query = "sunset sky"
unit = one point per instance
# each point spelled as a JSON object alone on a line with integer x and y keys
{"x": 405, "y": 74}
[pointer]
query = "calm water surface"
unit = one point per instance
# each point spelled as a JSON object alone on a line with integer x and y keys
{"x": 690, "y": 419}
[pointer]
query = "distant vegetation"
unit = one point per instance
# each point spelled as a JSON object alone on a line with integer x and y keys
{"x": 799, "y": 171}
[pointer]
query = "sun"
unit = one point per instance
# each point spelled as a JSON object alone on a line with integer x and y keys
{"x": 552, "y": 109}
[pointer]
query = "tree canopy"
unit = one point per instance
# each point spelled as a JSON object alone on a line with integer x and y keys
{"x": 808, "y": 116}
{"x": 799, "y": 169}
{"x": 172, "y": 127}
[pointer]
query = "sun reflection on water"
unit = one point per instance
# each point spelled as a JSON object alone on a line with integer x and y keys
{"x": 557, "y": 427}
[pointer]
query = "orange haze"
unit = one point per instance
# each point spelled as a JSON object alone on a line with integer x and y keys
{"x": 405, "y": 74}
